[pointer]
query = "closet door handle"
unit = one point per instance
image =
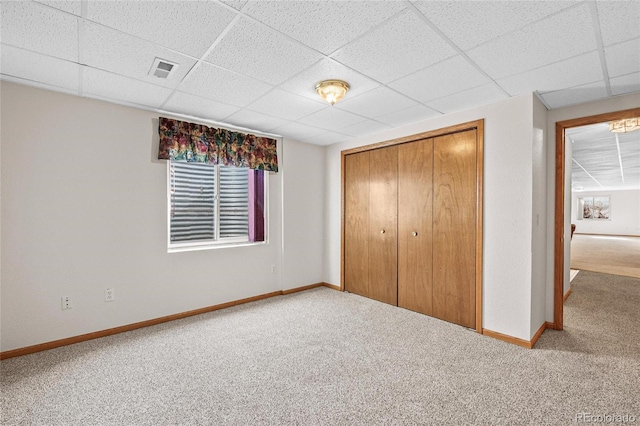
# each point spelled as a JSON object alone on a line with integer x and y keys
{"x": 414, "y": 233}
{"x": 382, "y": 231}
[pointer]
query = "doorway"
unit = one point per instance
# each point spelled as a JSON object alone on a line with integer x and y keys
{"x": 560, "y": 231}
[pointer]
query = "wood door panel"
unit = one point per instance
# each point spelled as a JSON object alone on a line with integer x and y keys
{"x": 356, "y": 229}
{"x": 454, "y": 224}
{"x": 415, "y": 188}
{"x": 383, "y": 211}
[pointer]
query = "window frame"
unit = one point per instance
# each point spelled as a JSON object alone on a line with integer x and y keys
{"x": 216, "y": 243}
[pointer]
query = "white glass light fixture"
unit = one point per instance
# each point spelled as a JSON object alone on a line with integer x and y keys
{"x": 332, "y": 91}
{"x": 625, "y": 126}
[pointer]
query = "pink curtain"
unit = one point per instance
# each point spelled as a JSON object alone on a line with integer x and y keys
{"x": 256, "y": 205}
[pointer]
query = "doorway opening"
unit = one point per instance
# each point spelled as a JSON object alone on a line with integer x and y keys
{"x": 561, "y": 232}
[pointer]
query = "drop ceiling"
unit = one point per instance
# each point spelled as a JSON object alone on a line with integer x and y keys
{"x": 254, "y": 64}
{"x": 603, "y": 161}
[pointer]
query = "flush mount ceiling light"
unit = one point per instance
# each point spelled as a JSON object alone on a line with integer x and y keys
{"x": 625, "y": 126}
{"x": 332, "y": 91}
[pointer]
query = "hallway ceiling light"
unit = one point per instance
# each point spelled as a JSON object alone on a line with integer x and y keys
{"x": 625, "y": 126}
{"x": 332, "y": 91}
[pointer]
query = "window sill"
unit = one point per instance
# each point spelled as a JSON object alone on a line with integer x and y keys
{"x": 213, "y": 246}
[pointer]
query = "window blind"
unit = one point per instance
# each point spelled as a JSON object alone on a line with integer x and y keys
{"x": 208, "y": 202}
{"x": 234, "y": 202}
{"x": 193, "y": 202}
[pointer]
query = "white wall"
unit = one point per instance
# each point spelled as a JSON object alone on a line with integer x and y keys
{"x": 539, "y": 222}
{"x": 84, "y": 209}
{"x": 617, "y": 103}
{"x": 508, "y": 207}
{"x": 625, "y": 213}
{"x": 303, "y": 191}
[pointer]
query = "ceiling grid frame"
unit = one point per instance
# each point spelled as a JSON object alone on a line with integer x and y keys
{"x": 603, "y": 60}
{"x": 606, "y": 31}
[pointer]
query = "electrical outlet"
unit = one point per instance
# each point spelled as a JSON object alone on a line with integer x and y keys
{"x": 273, "y": 269}
{"x": 66, "y": 302}
{"x": 109, "y": 295}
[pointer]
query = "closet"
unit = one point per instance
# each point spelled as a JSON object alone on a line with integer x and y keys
{"x": 412, "y": 223}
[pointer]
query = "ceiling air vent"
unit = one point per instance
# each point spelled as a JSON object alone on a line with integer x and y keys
{"x": 162, "y": 68}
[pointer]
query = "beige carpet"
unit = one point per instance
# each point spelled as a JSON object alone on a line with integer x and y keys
{"x": 572, "y": 274}
{"x": 608, "y": 254}
{"x": 322, "y": 357}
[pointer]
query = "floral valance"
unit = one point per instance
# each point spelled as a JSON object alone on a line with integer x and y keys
{"x": 190, "y": 142}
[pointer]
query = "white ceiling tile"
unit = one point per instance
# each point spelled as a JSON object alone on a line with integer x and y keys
{"x": 335, "y": 23}
{"x": 399, "y": 47}
{"x": 298, "y": 131}
{"x": 40, "y": 28}
{"x": 571, "y": 72}
{"x": 625, "y": 84}
{"x": 113, "y": 86}
{"x": 590, "y": 132}
{"x": 619, "y": 20}
{"x": 304, "y": 83}
{"x": 286, "y": 105}
{"x": 575, "y": 95}
{"x": 130, "y": 56}
{"x": 236, "y": 4}
{"x": 364, "y": 128}
{"x": 71, "y": 6}
{"x": 224, "y": 86}
{"x": 448, "y": 77}
{"x": 332, "y": 118}
{"x": 566, "y": 34}
{"x": 39, "y": 68}
{"x": 185, "y": 103}
{"x": 377, "y": 102}
{"x": 603, "y": 154}
{"x": 255, "y": 120}
{"x": 258, "y": 51}
{"x": 623, "y": 58}
{"x": 475, "y": 97}
{"x": 409, "y": 115}
{"x": 187, "y": 26}
{"x": 543, "y": 46}
{"x": 599, "y": 158}
{"x": 470, "y": 23}
{"x": 629, "y": 145}
{"x": 328, "y": 138}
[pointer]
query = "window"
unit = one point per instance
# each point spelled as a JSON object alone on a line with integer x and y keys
{"x": 212, "y": 206}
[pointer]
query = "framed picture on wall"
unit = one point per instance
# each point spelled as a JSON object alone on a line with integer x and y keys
{"x": 595, "y": 207}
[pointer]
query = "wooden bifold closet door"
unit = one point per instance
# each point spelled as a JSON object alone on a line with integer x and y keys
{"x": 410, "y": 225}
{"x": 371, "y": 224}
{"x": 454, "y": 221}
{"x": 383, "y": 225}
{"x": 356, "y": 223}
{"x": 415, "y": 243}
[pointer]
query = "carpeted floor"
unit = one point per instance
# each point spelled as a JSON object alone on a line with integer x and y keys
{"x": 331, "y": 358}
{"x": 606, "y": 254}
{"x": 572, "y": 274}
